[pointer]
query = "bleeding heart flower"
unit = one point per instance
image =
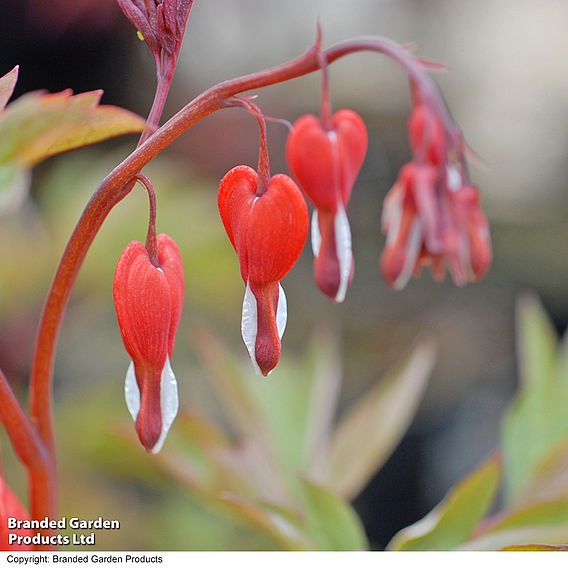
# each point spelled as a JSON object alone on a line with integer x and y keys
{"x": 149, "y": 299}
{"x": 10, "y": 506}
{"x": 268, "y": 228}
{"x": 326, "y": 163}
{"x": 434, "y": 220}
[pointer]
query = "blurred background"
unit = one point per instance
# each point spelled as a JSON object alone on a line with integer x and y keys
{"x": 507, "y": 87}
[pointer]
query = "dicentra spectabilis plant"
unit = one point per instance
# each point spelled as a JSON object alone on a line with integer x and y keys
{"x": 431, "y": 217}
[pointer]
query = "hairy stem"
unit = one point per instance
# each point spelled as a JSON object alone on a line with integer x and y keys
{"x": 118, "y": 184}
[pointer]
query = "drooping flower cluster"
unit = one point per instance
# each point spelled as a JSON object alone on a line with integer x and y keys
{"x": 432, "y": 215}
{"x": 148, "y": 296}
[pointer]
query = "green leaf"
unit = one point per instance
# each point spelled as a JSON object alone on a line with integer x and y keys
{"x": 451, "y": 523}
{"x": 298, "y": 402}
{"x": 14, "y": 187}
{"x": 372, "y": 428}
{"x": 562, "y": 362}
{"x": 520, "y": 536}
{"x": 536, "y": 341}
{"x": 537, "y": 419}
{"x": 37, "y": 125}
{"x": 331, "y": 522}
{"x": 536, "y": 514}
{"x": 290, "y": 413}
{"x": 276, "y": 522}
{"x": 230, "y": 385}
{"x": 323, "y": 399}
{"x": 7, "y": 84}
{"x": 549, "y": 480}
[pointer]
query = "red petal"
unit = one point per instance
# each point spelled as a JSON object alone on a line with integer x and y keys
{"x": 327, "y": 269}
{"x": 143, "y": 306}
{"x": 169, "y": 258}
{"x": 480, "y": 245}
{"x": 237, "y": 193}
{"x": 10, "y": 506}
{"x": 403, "y": 247}
{"x": 149, "y": 419}
{"x": 326, "y": 163}
{"x": 277, "y": 231}
{"x": 427, "y": 136}
{"x": 268, "y": 231}
{"x": 268, "y": 345}
{"x": 424, "y": 185}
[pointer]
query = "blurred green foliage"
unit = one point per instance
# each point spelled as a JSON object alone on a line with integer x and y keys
{"x": 263, "y": 480}
{"x": 534, "y": 463}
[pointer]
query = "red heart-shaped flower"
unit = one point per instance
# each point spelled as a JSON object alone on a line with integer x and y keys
{"x": 268, "y": 232}
{"x": 149, "y": 301}
{"x": 326, "y": 163}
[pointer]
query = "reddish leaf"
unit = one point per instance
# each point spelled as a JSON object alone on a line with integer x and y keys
{"x": 535, "y": 548}
{"x": 39, "y": 125}
{"x": 7, "y": 84}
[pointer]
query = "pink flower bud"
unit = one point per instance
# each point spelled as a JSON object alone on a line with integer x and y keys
{"x": 148, "y": 301}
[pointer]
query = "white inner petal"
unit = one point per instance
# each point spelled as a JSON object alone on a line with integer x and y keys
{"x": 343, "y": 249}
{"x": 281, "y": 311}
{"x": 413, "y": 247}
{"x": 392, "y": 216}
{"x": 131, "y": 392}
{"x": 316, "y": 235}
{"x": 453, "y": 178}
{"x": 249, "y": 325}
{"x": 249, "y": 321}
{"x": 169, "y": 401}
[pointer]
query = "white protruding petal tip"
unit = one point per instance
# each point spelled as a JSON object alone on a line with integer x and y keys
{"x": 412, "y": 251}
{"x": 281, "y": 311}
{"x": 453, "y": 178}
{"x": 169, "y": 402}
{"x": 343, "y": 249}
{"x": 249, "y": 325}
{"x": 132, "y": 392}
{"x": 316, "y": 235}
